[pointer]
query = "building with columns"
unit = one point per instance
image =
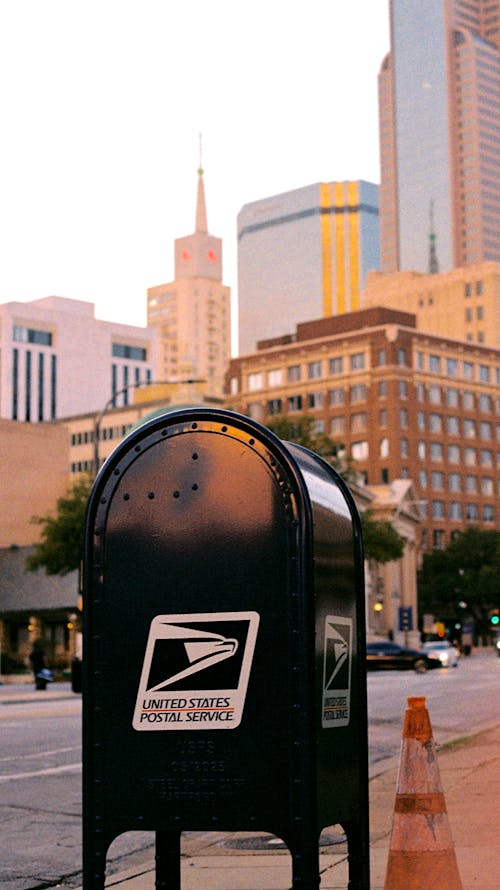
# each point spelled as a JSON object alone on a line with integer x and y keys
{"x": 192, "y": 314}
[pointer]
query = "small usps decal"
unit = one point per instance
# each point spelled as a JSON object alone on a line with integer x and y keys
{"x": 195, "y": 671}
{"x": 337, "y": 659}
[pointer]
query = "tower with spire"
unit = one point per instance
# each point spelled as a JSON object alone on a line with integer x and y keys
{"x": 193, "y": 312}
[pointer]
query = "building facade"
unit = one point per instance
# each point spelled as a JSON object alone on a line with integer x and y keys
{"x": 439, "y": 113}
{"x": 465, "y": 301}
{"x": 304, "y": 254}
{"x": 404, "y": 404}
{"x": 57, "y": 359}
{"x": 192, "y": 314}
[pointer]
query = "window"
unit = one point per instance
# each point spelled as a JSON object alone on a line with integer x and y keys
{"x": 275, "y": 377}
{"x": 421, "y": 420}
{"x": 315, "y": 399}
{"x": 420, "y": 392}
{"x": 314, "y": 370}
{"x": 420, "y": 361}
{"x": 488, "y": 513}
{"x": 453, "y": 426}
{"x": 422, "y": 477}
{"x": 123, "y": 350}
{"x": 485, "y": 430}
{"x": 384, "y": 448}
{"x": 451, "y": 367}
{"x": 471, "y": 512}
{"x": 436, "y": 451}
{"x": 468, "y": 400}
{"x": 404, "y": 448}
{"x": 469, "y": 428}
{"x": 479, "y": 288}
{"x": 421, "y": 449}
{"x": 485, "y": 403}
{"x": 487, "y": 485}
{"x": 468, "y": 289}
{"x": 403, "y": 418}
{"x": 357, "y": 361}
{"x": 435, "y": 395}
{"x": 438, "y": 539}
{"x": 337, "y": 426}
{"x": 274, "y": 406}
{"x": 382, "y": 357}
{"x": 435, "y": 423}
{"x": 454, "y": 482}
{"x": 470, "y": 457}
{"x": 471, "y": 484}
{"x": 455, "y": 511}
{"x": 453, "y": 454}
{"x": 319, "y": 427}
{"x": 358, "y": 421}
{"x": 255, "y": 381}
{"x": 382, "y": 417}
{"x": 486, "y": 457}
{"x": 403, "y": 389}
{"x": 468, "y": 314}
{"x": 295, "y": 403}
{"x": 438, "y": 509}
{"x": 401, "y": 356}
{"x": 484, "y": 373}
{"x": 382, "y": 389}
{"x": 468, "y": 370}
{"x": 358, "y": 393}
{"x": 434, "y": 364}
{"x": 234, "y": 386}
{"x": 452, "y": 397}
{"x": 437, "y": 480}
{"x": 336, "y": 365}
{"x": 31, "y": 335}
{"x": 336, "y": 396}
{"x": 359, "y": 450}
{"x": 293, "y": 373}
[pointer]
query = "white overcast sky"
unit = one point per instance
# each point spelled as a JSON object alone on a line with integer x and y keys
{"x": 101, "y": 104}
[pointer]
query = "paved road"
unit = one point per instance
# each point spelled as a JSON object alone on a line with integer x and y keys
{"x": 40, "y": 772}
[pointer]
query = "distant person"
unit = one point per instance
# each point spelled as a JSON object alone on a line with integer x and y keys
{"x": 39, "y": 667}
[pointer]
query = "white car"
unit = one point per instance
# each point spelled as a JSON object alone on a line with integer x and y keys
{"x": 443, "y": 650}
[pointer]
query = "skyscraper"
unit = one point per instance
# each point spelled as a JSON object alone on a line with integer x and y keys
{"x": 304, "y": 254}
{"x": 439, "y": 108}
{"x": 193, "y": 312}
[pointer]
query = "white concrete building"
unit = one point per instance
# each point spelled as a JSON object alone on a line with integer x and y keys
{"x": 57, "y": 359}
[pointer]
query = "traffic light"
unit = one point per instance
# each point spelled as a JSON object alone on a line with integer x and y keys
{"x": 495, "y": 619}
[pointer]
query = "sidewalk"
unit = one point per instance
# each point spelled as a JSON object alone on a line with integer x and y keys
{"x": 470, "y": 774}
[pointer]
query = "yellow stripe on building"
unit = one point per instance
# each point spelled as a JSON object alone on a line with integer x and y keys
{"x": 326, "y": 247}
{"x": 354, "y": 236}
{"x": 338, "y": 199}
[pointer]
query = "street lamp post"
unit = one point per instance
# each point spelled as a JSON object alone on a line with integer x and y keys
{"x": 111, "y": 403}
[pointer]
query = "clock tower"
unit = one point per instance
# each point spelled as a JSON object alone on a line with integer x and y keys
{"x": 193, "y": 312}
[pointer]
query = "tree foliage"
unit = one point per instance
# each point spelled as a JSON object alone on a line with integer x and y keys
{"x": 301, "y": 431}
{"x": 61, "y": 546}
{"x": 467, "y": 571}
{"x": 381, "y": 540}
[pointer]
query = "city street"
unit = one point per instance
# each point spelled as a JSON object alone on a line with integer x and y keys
{"x": 40, "y": 763}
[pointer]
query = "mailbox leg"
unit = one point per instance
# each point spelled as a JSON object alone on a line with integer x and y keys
{"x": 358, "y": 856}
{"x": 168, "y": 860}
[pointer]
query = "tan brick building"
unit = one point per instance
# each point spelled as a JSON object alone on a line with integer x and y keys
{"x": 405, "y": 405}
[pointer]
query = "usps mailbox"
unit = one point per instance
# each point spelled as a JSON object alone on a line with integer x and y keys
{"x": 224, "y": 659}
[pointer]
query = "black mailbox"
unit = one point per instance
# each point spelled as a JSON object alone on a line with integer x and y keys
{"x": 224, "y": 654}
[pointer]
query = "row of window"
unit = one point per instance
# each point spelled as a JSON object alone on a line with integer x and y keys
{"x": 452, "y": 425}
{"x": 453, "y": 398}
{"x": 314, "y": 370}
{"x": 454, "y": 482}
{"x": 134, "y": 353}
{"x": 106, "y": 433}
{"x": 458, "y": 512}
{"x": 34, "y": 386}
{"x": 22, "y": 334}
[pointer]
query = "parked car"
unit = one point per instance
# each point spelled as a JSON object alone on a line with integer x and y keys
{"x": 386, "y": 655}
{"x": 443, "y": 650}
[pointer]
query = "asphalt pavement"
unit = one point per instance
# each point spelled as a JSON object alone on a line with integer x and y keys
{"x": 470, "y": 775}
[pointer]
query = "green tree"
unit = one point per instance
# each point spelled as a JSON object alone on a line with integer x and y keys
{"x": 301, "y": 431}
{"x": 467, "y": 570}
{"x": 61, "y": 546}
{"x": 381, "y": 540}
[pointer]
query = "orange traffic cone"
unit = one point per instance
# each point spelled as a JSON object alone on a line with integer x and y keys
{"x": 421, "y": 853}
